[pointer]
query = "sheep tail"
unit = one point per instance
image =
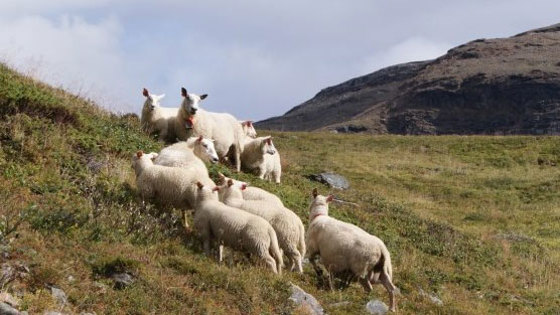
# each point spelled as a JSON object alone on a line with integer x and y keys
{"x": 275, "y": 250}
{"x": 387, "y": 267}
{"x": 302, "y": 248}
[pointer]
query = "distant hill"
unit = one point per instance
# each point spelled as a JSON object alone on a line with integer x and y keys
{"x": 487, "y": 86}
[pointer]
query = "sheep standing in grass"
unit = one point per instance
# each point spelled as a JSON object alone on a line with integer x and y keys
{"x": 261, "y": 156}
{"x": 194, "y": 151}
{"x": 288, "y": 226}
{"x": 345, "y": 247}
{"x": 224, "y": 225}
{"x": 221, "y": 127}
{"x": 156, "y": 118}
{"x": 249, "y": 192}
{"x": 168, "y": 185}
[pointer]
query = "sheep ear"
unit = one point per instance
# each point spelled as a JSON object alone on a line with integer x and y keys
{"x": 199, "y": 184}
{"x": 243, "y": 186}
{"x": 199, "y": 139}
{"x": 183, "y": 92}
{"x": 145, "y": 92}
{"x": 249, "y": 123}
{"x": 314, "y": 193}
{"x": 203, "y": 96}
{"x": 139, "y": 154}
{"x": 230, "y": 182}
{"x": 220, "y": 175}
{"x": 330, "y": 198}
{"x": 216, "y": 188}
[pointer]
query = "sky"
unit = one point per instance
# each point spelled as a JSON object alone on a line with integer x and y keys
{"x": 255, "y": 58}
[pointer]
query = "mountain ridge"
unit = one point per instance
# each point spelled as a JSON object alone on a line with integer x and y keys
{"x": 486, "y": 86}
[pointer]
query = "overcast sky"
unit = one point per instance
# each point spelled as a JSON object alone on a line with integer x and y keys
{"x": 254, "y": 58}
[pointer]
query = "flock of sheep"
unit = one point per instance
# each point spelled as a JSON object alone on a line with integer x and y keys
{"x": 247, "y": 219}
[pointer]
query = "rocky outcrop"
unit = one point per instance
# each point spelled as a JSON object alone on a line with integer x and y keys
{"x": 487, "y": 86}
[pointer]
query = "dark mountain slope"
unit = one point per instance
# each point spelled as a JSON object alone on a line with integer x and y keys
{"x": 487, "y": 86}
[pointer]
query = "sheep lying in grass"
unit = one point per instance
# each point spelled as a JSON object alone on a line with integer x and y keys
{"x": 250, "y": 192}
{"x": 215, "y": 221}
{"x": 172, "y": 186}
{"x": 194, "y": 151}
{"x": 261, "y": 156}
{"x": 345, "y": 247}
{"x": 248, "y": 128}
{"x": 156, "y": 118}
{"x": 288, "y": 226}
{"x": 221, "y": 127}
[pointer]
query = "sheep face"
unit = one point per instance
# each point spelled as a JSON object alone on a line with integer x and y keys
{"x": 205, "y": 193}
{"x": 152, "y": 100}
{"x": 140, "y": 159}
{"x": 207, "y": 147}
{"x": 267, "y": 146}
{"x": 249, "y": 129}
{"x": 191, "y": 101}
{"x": 232, "y": 189}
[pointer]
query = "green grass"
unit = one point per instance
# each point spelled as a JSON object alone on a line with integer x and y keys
{"x": 475, "y": 220}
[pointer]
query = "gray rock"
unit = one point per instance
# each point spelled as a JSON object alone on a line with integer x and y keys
{"x": 52, "y": 313}
{"x": 59, "y": 295}
{"x": 7, "y": 274}
{"x": 333, "y": 180}
{"x": 6, "y": 309}
{"x": 122, "y": 280}
{"x": 377, "y": 307}
{"x": 302, "y": 298}
{"x": 432, "y": 297}
{"x": 6, "y": 297}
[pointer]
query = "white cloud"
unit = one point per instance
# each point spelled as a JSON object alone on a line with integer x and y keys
{"x": 69, "y": 52}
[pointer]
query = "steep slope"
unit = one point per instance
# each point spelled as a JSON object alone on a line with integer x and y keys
{"x": 487, "y": 86}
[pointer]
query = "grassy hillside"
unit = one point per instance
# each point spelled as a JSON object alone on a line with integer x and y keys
{"x": 475, "y": 220}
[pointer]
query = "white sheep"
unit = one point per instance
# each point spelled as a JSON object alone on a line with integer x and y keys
{"x": 248, "y": 128}
{"x": 221, "y": 127}
{"x": 157, "y": 118}
{"x": 215, "y": 221}
{"x": 345, "y": 247}
{"x": 168, "y": 185}
{"x": 250, "y": 192}
{"x": 288, "y": 226}
{"x": 261, "y": 156}
{"x": 194, "y": 151}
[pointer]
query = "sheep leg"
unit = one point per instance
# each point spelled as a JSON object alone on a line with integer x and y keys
{"x": 237, "y": 151}
{"x": 330, "y": 280}
{"x": 300, "y": 265}
{"x": 262, "y": 172}
{"x": 313, "y": 261}
{"x": 269, "y": 260}
{"x": 185, "y": 221}
{"x": 386, "y": 281}
{"x": 220, "y": 253}
{"x": 206, "y": 245}
{"x": 295, "y": 259}
{"x": 366, "y": 284}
